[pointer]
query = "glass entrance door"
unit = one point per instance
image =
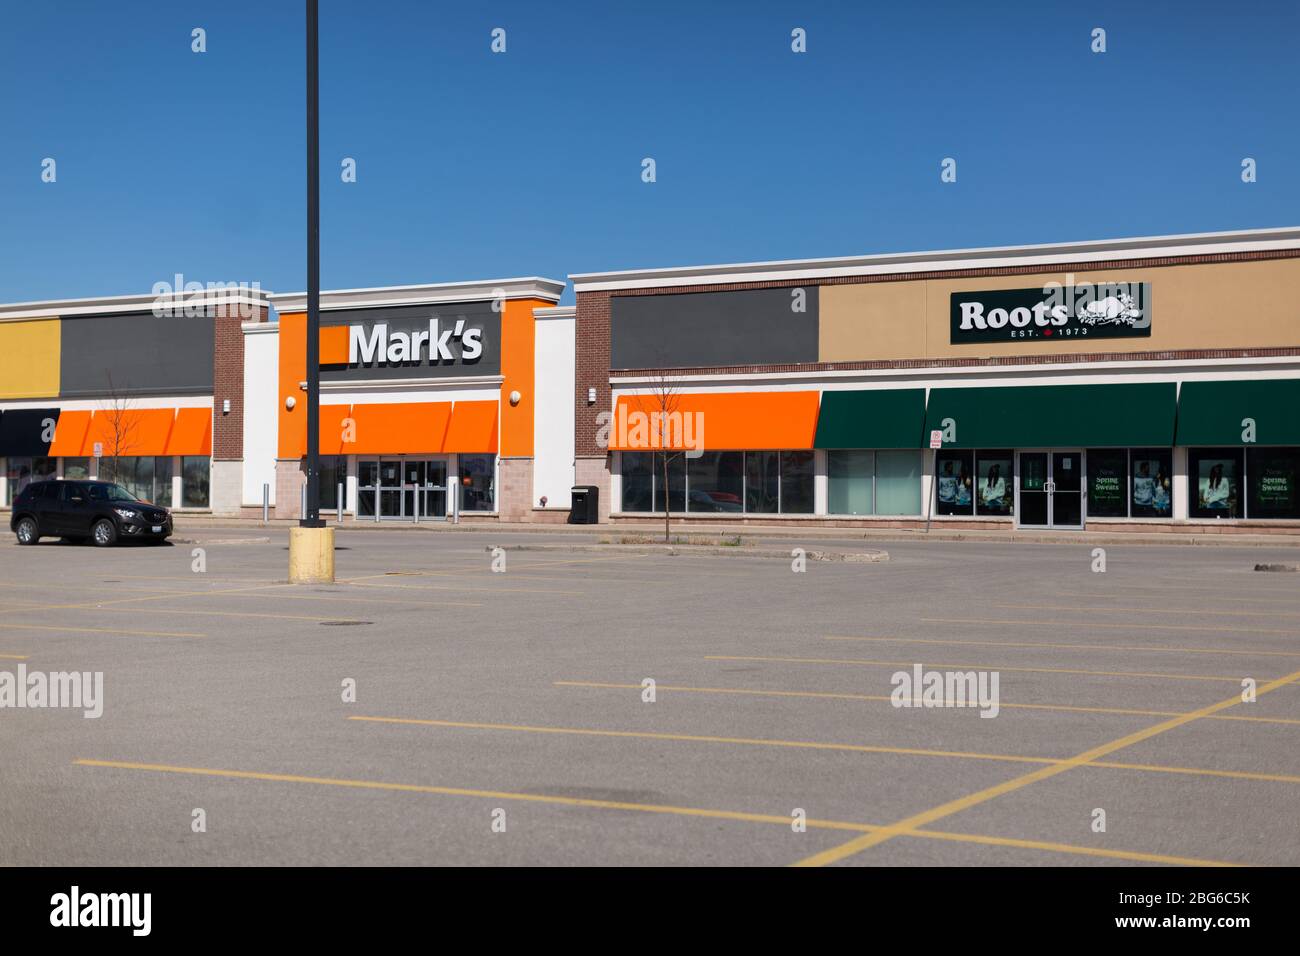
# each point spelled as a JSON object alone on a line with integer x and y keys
{"x": 1049, "y": 486}
{"x": 435, "y": 489}
{"x": 1032, "y": 508}
{"x": 1067, "y": 489}
{"x": 402, "y": 488}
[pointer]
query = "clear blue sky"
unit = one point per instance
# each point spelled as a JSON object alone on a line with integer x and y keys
{"x": 473, "y": 165}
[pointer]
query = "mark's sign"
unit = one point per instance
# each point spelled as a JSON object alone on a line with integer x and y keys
{"x": 441, "y": 342}
{"x": 1104, "y": 310}
{"x": 411, "y": 342}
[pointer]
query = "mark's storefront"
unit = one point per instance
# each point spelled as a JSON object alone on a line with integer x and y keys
{"x": 1142, "y": 384}
{"x": 429, "y": 401}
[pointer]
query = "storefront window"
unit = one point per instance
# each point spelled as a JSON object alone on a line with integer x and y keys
{"x": 478, "y": 482}
{"x": 76, "y": 469}
{"x": 162, "y": 482}
{"x": 1107, "y": 482}
{"x": 762, "y": 482}
{"x": 898, "y": 482}
{"x": 798, "y": 470}
{"x": 333, "y": 471}
{"x": 954, "y": 495}
{"x": 850, "y": 477}
{"x": 676, "y": 480}
{"x": 638, "y": 480}
{"x": 716, "y": 482}
{"x": 1152, "y": 482}
{"x": 1215, "y": 476}
{"x": 23, "y": 471}
{"x": 194, "y": 481}
{"x": 994, "y": 494}
{"x": 1272, "y": 475}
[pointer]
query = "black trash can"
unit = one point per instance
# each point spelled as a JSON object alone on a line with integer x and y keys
{"x": 586, "y": 504}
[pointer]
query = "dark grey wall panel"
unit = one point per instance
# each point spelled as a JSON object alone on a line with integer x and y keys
{"x": 749, "y": 327}
{"x": 144, "y": 354}
{"x": 415, "y": 318}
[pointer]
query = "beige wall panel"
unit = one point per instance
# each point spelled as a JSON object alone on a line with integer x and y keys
{"x": 872, "y": 320}
{"x": 1242, "y": 305}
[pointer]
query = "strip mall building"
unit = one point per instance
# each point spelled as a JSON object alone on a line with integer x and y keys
{"x": 1149, "y": 384}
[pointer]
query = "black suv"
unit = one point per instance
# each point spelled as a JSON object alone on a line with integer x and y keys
{"x": 98, "y": 510}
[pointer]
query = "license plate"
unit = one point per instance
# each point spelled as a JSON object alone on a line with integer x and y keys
{"x": 157, "y": 529}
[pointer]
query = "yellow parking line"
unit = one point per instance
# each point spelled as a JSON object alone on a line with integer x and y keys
{"x": 697, "y": 738}
{"x": 14, "y": 657}
{"x": 1080, "y": 647}
{"x": 364, "y": 583}
{"x": 1041, "y": 623}
{"x": 815, "y": 745}
{"x": 751, "y": 692}
{"x": 1111, "y": 609}
{"x": 99, "y": 630}
{"x": 665, "y": 809}
{"x": 990, "y": 793}
{"x": 987, "y": 667}
{"x": 1217, "y": 598}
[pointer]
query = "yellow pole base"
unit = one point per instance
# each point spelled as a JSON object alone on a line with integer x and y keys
{"x": 311, "y": 555}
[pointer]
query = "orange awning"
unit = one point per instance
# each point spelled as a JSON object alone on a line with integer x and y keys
{"x": 70, "y": 435}
{"x": 715, "y": 421}
{"x": 131, "y": 432}
{"x": 397, "y": 428}
{"x": 473, "y": 428}
{"x": 192, "y": 433}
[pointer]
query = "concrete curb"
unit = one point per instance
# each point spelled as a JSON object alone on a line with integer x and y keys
{"x": 873, "y": 556}
{"x": 265, "y": 540}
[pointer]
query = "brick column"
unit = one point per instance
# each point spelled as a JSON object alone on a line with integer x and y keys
{"x": 591, "y": 459}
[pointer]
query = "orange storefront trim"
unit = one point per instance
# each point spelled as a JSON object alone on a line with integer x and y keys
{"x": 399, "y": 428}
{"x": 131, "y": 432}
{"x": 473, "y": 428}
{"x": 716, "y": 421}
{"x": 70, "y": 435}
{"x": 192, "y": 433}
{"x": 334, "y": 345}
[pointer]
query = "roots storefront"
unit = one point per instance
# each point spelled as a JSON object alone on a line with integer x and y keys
{"x": 1143, "y": 384}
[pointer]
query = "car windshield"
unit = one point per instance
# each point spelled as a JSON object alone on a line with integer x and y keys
{"x": 118, "y": 493}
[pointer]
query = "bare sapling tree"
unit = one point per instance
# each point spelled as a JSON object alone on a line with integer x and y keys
{"x": 120, "y": 429}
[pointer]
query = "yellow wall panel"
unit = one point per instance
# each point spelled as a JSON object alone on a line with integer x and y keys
{"x": 29, "y": 358}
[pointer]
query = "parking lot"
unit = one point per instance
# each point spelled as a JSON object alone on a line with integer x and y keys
{"x": 502, "y": 717}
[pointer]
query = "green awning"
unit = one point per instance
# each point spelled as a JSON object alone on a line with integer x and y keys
{"x": 1047, "y": 416}
{"x": 871, "y": 418}
{"x": 1215, "y": 413}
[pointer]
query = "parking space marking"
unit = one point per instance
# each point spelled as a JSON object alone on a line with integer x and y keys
{"x": 1081, "y": 647}
{"x": 14, "y": 657}
{"x": 986, "y": 667}
{"x": 927, "y": 817}
{"x": 98, "y": 630}
{"x": 1040, "y": 623}
{"x": 365, "y": 583}
{"x": 828, "y": 695}
{"x": 665, "y": 809}
{"x": 1218, "y": 599}
{"x": 817, "y": 745}
{"x": 1109, "y": 609}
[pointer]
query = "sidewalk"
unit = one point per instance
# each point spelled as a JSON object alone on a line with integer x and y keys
{"x": 611, "y": 533}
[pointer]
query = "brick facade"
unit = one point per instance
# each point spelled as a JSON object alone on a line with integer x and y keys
{"x": 228, "y": 381}
{"x": 515, "y": 491}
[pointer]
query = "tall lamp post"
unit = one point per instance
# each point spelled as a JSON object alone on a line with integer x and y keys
{"x": 311, "y": 544}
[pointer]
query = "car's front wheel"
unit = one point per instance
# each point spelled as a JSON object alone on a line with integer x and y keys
{"x": 104, "y": 533}
{"x": 27, "y": 531}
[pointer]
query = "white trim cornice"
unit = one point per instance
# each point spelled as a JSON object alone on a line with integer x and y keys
{"x": 484, "y": 290}
{"x": 1046, "y": 255}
